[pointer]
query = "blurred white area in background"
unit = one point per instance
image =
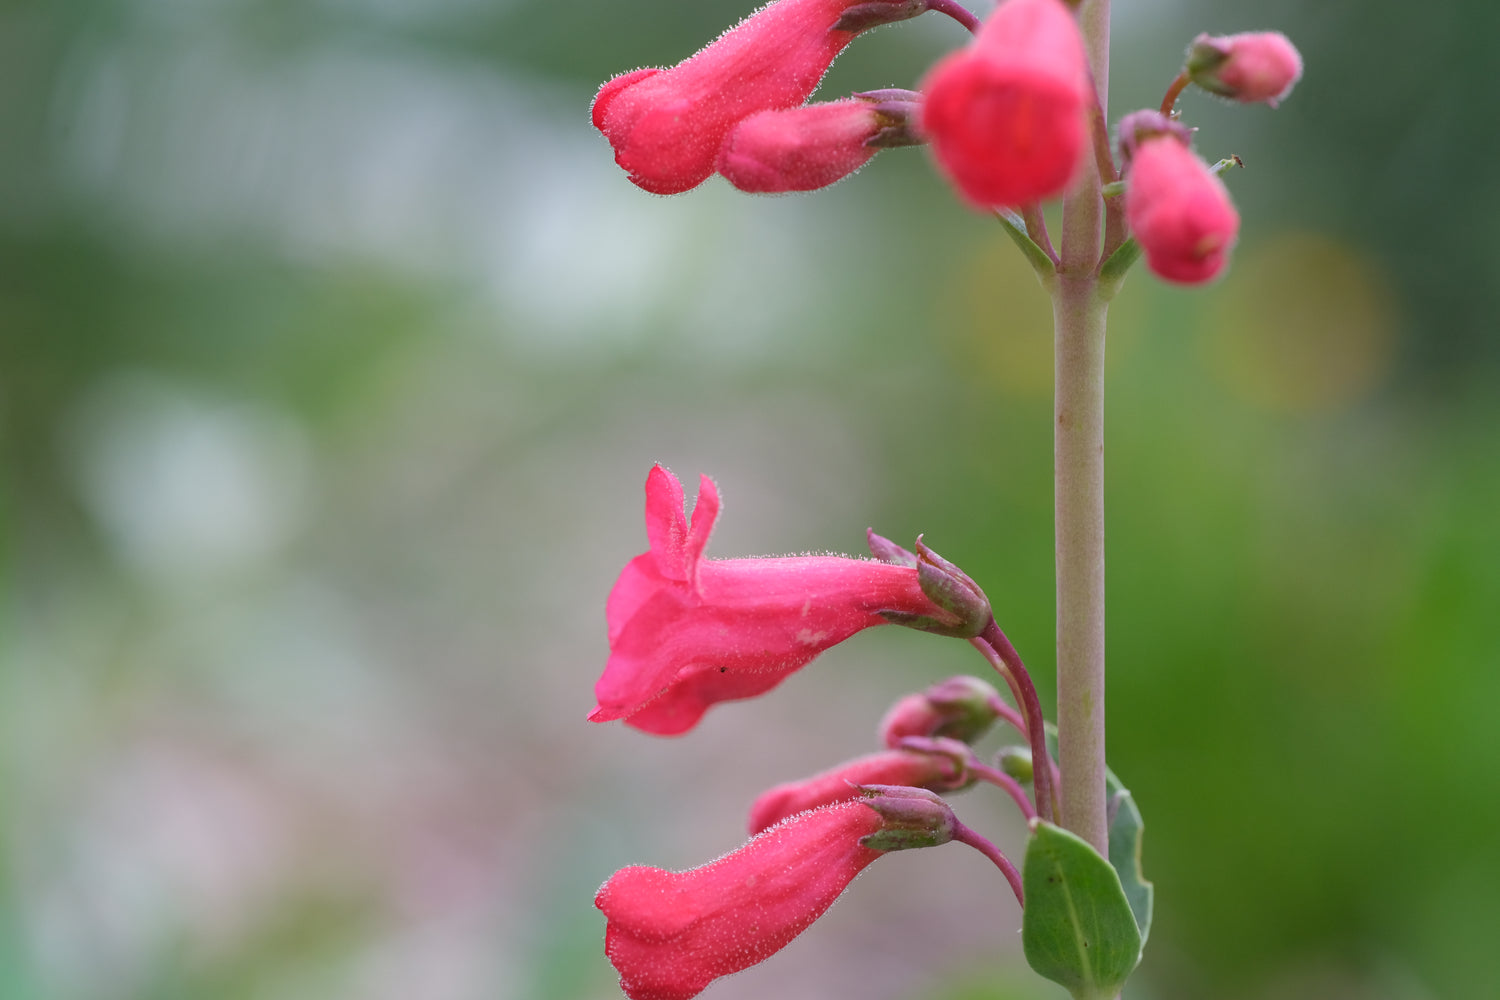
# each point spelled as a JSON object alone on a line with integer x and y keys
{"x": 189, "y": 487}
{"x": 489, "y": 183}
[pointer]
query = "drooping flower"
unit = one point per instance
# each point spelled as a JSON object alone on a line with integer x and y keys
{"x": 666, "y": 126}
{"x": 670, "y": 934}
{"x": 1178, "y": 211}
{"x": 802, "y": 149}
{"x": 1249, "y": 67}
{"x": 1006, "y": 116}
{"x": 686, "y": 632}
{"x": 932, "y": 771}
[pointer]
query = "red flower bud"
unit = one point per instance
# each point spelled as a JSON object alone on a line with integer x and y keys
{"x": 666, "y": 126}
{"x": 960, "y": 707}
{"x": 670, "y": 934}
{"x": 802, "y": 149}
{"x": 938, "y": 771}
{"x": 686, "y": 632}
{"x": 1255, "y": 66}
{"x": 1179, "y": 212}
{"x": 1006, "y": 116}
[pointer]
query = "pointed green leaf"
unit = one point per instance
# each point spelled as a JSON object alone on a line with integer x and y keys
{"x": 1077, "y": 928}
{"x": 1112, "y": 272}
{"x": 1015, "y": 228}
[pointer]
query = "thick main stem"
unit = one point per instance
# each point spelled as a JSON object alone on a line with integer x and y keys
{"x": 1079, "y": 317}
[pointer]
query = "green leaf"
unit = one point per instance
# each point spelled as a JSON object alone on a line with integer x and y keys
{"x": 1077, "y": 928}
{"x": 1015, "y": 228}
{"x": 1112, "y": 272}
{"x": 1125, "y": 830}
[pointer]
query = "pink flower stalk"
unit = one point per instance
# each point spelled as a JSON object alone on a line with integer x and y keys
{"x": 670, "y": 934}
{"x": 1250, "y": 67}
{"x": 686, "y": 632}
{"x": 938, "y": 772}
{"x": 1179, "y": 212}
{"x": 666, "y": 126}
{"x": 802, "y": 149}
{"x": 1006, "y": 116}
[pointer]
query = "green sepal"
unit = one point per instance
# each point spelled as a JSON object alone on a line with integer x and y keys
{"x": 1077, "y": 928}
{"x": 863, "y": 16}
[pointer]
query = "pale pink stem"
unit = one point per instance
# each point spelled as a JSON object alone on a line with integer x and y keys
{"x": 1079, "y": 311}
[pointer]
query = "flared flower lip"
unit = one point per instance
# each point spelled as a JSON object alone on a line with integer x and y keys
{"x": 687, "y": 632}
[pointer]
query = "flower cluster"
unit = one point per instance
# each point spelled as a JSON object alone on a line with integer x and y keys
{"x": 1012, "y": 119}
{"x": 686, "y": 632}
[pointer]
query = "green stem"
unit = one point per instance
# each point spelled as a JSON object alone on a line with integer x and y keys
{"x": 1079, "y": 312}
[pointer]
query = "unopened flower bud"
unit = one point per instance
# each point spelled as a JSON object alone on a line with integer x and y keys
{"x": 962, "y": 708}
{"x": 942, "y": 765}
{"x": 1015, "y": 761}
{"x": 1178, "y": 211}
{"x": 911, "y": 817}
{"x": 810, "y": 147}
{"x": 1148, "y": 123}
{"x": 1006, "y": 114}
{"x": 670, "y": 934}
{"x": 1249, "y": 67}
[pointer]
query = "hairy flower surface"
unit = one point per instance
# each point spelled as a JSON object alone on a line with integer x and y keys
{"x": 936, "y": 772}
{"x": 1249, "y": 67}
{"x": 801, "y": 149}
{"x": 686, "y": 632}
{"x": 670, "y": 934}
{"x": 1006, "y": 115}
{"x": 1179, "y": 212}
{"x": 666, "y": 126}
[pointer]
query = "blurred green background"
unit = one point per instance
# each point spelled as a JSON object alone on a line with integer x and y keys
{"x": 334, "y": 351}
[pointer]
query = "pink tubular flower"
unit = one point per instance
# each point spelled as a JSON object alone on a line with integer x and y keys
{"x": 1006, "y": 116}
{"x": 686, "y": 632}
{"x": 802, "y": 149}
{"x": 1250, "y": 67}
{"x": 670, "y": 934}
{"x": 1179, "y": 212}
{"x": 666, "y": 126}
{"x": 933, "y": 771}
